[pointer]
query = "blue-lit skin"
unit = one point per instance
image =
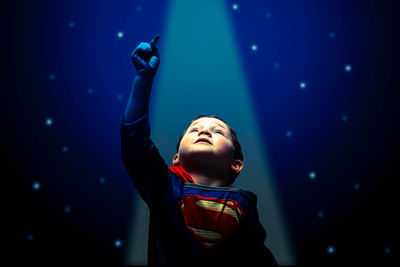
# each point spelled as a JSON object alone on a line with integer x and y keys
{"x": 102, "y": 180}
{"x": 52, "y": 77}
{"x": 289, "y": 134}
{"x": 347, "y": 67}
{"x": 312, "y": 175}
{"x": 302, "y": 85}
{"x": 331, "y": 250}
{"x": 36, "y": 186}
{"x": 117, "y": 243}
{"x": 48, "y": 122}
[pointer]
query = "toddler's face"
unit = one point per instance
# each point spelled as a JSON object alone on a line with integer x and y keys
{"x": 207, "y": 138}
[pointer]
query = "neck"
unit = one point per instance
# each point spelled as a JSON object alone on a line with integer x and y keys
{"x": 210, "y": 180}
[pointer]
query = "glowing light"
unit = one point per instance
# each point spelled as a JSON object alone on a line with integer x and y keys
{"x": 312, "y": 175}
{"x": 120, "y": 34}
{"x": 117, "y": 243}
{"x": 332, "y": 34}
{"x": 331, "y": 250}
{"x": 71, "y": 24}
{"x": 102, "y": 180}
{"x": 65, "y": 149}
{"x": 345, "y": 118}
{"x": 36, "y": 186}
{"x": 347, "y": 67}
{"x": 52, "y": 76}
{"x": 235, "y": 6}
{"x": 302, "y": 85}
{"x": 254, "y": 47}
{"x": 67, "y": 209}
{"x": 48, "y": 122}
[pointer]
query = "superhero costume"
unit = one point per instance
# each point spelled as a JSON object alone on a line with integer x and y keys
{"x": 189, "y": 222}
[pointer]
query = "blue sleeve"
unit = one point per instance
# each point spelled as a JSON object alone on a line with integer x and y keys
{"x": 143, "y": 161}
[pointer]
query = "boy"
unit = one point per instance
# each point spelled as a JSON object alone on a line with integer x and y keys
{"x": 197, "y": 217}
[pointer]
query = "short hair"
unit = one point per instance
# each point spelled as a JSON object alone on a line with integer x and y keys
{"x": 237, "y": 152}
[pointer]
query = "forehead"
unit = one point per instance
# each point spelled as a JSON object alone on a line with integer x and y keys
{"x": 209, "y": 121}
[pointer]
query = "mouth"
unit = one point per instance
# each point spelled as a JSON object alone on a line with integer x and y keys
{"x": 203, "y": 140}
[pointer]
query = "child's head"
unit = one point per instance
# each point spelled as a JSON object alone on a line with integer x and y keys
{"x": 223, "y": 147}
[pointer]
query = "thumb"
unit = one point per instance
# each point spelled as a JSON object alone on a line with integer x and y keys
{"x": 154, "y": 62}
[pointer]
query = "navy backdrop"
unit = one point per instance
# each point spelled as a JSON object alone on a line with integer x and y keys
{"x": 324, "y": 80}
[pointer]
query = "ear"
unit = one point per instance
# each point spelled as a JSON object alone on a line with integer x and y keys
{"x": 237, "y": 165}
{"x": 175, "y": 161}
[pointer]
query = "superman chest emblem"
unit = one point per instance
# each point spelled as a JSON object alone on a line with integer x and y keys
{"x": 211, "y": 220}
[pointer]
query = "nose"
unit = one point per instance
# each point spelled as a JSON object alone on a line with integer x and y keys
{"x": 206, "y": 132}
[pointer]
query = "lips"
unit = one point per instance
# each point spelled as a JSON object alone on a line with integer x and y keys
{"x": 203, "y": 139}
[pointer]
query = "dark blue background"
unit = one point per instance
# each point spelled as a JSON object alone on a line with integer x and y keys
{"x": 294, "y": 44}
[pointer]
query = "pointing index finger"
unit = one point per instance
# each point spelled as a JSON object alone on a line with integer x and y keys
{"x": 155, "y": 39}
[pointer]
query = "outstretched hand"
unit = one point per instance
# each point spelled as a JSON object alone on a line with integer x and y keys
{"x": 146, "y": 58}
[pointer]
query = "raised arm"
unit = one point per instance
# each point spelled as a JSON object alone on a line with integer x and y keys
{"x": 146, "y": 59}
{"x": 140, "y": 156}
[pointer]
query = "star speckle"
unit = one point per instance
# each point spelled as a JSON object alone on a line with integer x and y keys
{"x": 235, "y": 6}
{"x": 117, "y": 243}
{"x": 120, "y": 35}
{"x": 48, "y": 122}
{"x": 67, "y": 209}
{"x": 320, "y": 214}
{"x": 387, "y": 250}
{"x": 302, "y": 85}
{"x": 36, "y": 186}
{"x": 30, "y": 237}
{"x": 348, "y": 68}
{"x": 312, "y": 175}
{"x": 254, "y": 47}
{"x": 331, "y": 250}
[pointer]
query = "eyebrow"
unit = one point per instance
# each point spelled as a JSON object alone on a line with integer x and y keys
{"x": 217, "y": 124}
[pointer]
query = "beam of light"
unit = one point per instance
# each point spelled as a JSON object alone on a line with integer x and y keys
{"x": 201, "y": 73}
